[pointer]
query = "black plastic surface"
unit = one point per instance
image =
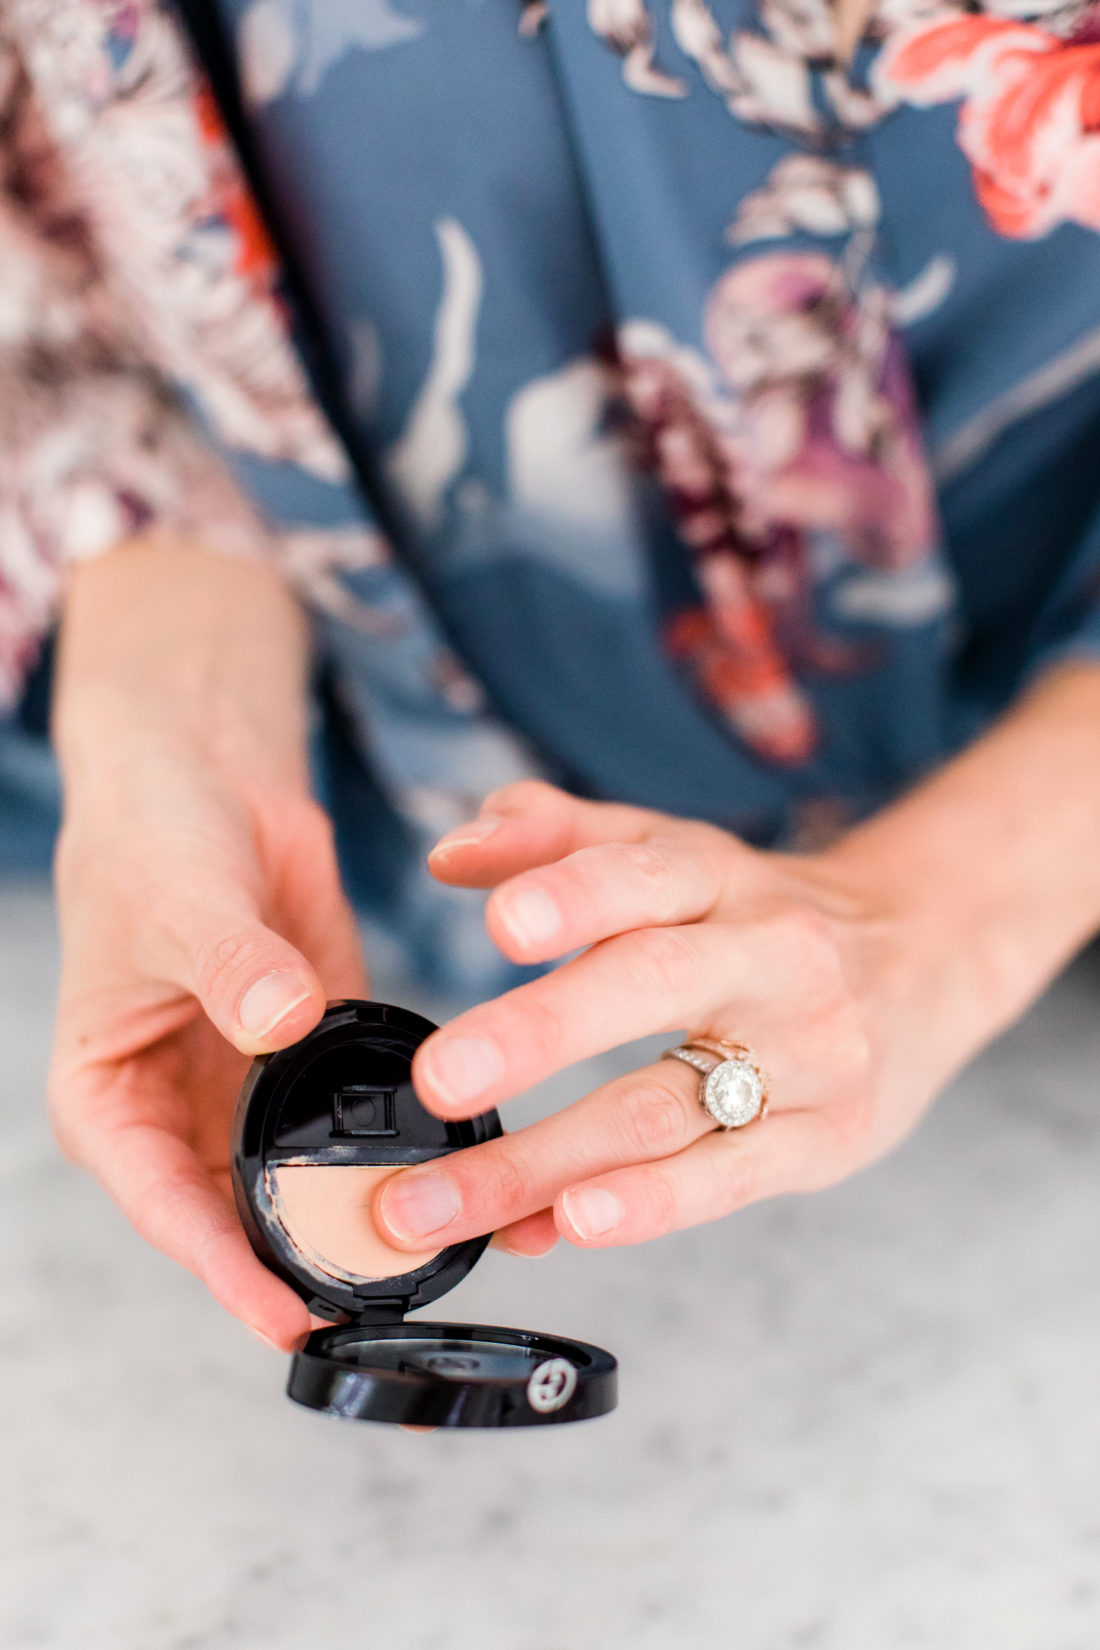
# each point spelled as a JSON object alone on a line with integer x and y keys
{"x": 343, "y": 1095}
{"x": 453, "y": 1375}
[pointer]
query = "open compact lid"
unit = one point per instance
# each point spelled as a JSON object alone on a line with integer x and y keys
{"x": 318, "y": 1126}
{"x": 452, "y": 1375}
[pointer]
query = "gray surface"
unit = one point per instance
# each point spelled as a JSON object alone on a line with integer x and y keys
{"x": 864, "y": 1421}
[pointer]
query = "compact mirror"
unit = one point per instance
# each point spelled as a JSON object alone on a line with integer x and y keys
{"x": 318, "y": 1127}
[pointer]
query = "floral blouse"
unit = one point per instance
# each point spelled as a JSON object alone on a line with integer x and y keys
{"x": 735, "y": 401}
{"x": 718, "y": 399}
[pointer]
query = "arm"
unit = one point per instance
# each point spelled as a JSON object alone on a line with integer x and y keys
{"x": 996, "y": 861}
{"x": 863, "y": 977}
{"x": 199, "y": 901}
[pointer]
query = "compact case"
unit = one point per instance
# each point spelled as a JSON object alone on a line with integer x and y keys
{"x": 317, "y": 1126}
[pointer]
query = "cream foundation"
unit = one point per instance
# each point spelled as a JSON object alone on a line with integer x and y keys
{"x": 326, "y": 1210}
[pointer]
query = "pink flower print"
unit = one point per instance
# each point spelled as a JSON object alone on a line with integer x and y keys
{"x": 801, "y": 426}
{"x": 731, "y": 644}
{"x": 827, "y": 435}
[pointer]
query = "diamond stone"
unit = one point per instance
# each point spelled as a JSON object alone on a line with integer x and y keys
{"x": 734, "y": 1093}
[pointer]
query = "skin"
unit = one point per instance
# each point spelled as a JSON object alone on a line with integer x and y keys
{"x": 192, "y": 868}
{"x": 193, "y": 865}
{"x": 863, "y": 978}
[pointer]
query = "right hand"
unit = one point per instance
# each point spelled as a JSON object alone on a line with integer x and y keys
{"x": 201, "y": 913}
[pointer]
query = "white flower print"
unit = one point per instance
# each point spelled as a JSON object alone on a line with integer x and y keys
{"x": 627, "y": 28}
{"x": 809, "y": 194}
{"x": 290, "y": 45}
{"x": 760, "y": 81}
{"x": 430, "y": 453}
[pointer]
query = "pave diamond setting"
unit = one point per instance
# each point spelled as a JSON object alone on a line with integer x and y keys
{"x": 733, "y": 1093}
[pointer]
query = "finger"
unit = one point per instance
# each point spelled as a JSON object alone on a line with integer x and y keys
{"x": 258, "y": 989}
{"x": 531, "y": 823}
{"x": 319, "y": 921}
{"x": 328, "y": 934}
{"x": 659, "y": 979}
{"x": 175, "y": 1204}
{"x": 499, "y": 1185}
{"x": 532, "y": 1237}
{"x": 784, "y": 1152}
{"x": 339, "y": 954}
{"x": 612, "y": 888}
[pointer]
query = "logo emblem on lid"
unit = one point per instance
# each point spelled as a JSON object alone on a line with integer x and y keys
{"x": 552, "y": 1385}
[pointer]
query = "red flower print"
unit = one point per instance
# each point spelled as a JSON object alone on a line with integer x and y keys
{"x": 1030, "y": 120}
{"x": 731, "y": 644}
{"x": 254, "y": 254}
{"x": 732, "y": 648}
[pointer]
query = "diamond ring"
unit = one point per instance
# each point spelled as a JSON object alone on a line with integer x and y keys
{"x": 733, "y": 1091}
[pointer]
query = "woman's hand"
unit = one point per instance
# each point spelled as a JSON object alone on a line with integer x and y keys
{"x": 684, "y": 927}
{"x": 201, "y": 914}
{"x": 862, "y": 978}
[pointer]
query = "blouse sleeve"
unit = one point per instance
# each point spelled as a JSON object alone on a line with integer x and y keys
{"x": 93, "y": 444}
{"x": 147, "y": 373}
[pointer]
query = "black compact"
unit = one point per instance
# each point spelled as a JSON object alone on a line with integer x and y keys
{"x": 317, "y": 1126}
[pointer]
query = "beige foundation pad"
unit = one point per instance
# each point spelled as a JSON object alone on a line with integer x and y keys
{"x": 326, "y": 1208}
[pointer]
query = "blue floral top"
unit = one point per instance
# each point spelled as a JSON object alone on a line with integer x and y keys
{"x": 734, "y": 398}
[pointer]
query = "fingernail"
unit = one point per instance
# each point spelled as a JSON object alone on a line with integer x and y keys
{"x": 531, "y": 916}
{"x": 461, "y": 1068}
{"x": 269, "y": 1001}
{"x": 465, "y": 836}
{"x": 266, "y": 1339}
{"x": 413, "y": 1205}
{"x": 592, "y": 1211}
{"x": 525, "y": 1254}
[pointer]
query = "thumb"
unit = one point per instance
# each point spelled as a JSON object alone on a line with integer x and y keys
{"x": 258, "y": 991}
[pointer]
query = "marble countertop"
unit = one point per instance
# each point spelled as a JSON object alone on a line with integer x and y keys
{"x": 869, "y": 1420}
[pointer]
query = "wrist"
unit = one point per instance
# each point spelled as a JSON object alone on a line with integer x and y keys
{"x": 174, "y": 652}
{"x": 989, "y": 871}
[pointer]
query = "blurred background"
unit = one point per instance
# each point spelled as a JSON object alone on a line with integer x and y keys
{"x": 867, "y": 1420}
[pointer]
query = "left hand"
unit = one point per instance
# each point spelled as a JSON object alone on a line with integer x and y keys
{"x": 834, "y": 976}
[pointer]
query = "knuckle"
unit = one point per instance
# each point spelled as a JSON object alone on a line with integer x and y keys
{"x": 654, "y": 1118}
{"x": 804, "y": 944}
{"x": 853, "y": 1054}
{"x": 851, "y": 1124}
{"x": 713, "y": 847}
{"x": 652, "y": 872}
{"x": 806, "y": 934}
{"x": 836, "y": 1052}
{"x": 153, "y": 1216}
{"x": 600, "y": 874}
{"x": 509, "y": 1189}
{"x": 658, "y": 1204}
{"x": 522, "y": 796}
{"x": 664, "y": 961}
{"x": 220, "y": 963}
{"x": 539, "y": 1027}
{"x": 735, "y": 1176}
